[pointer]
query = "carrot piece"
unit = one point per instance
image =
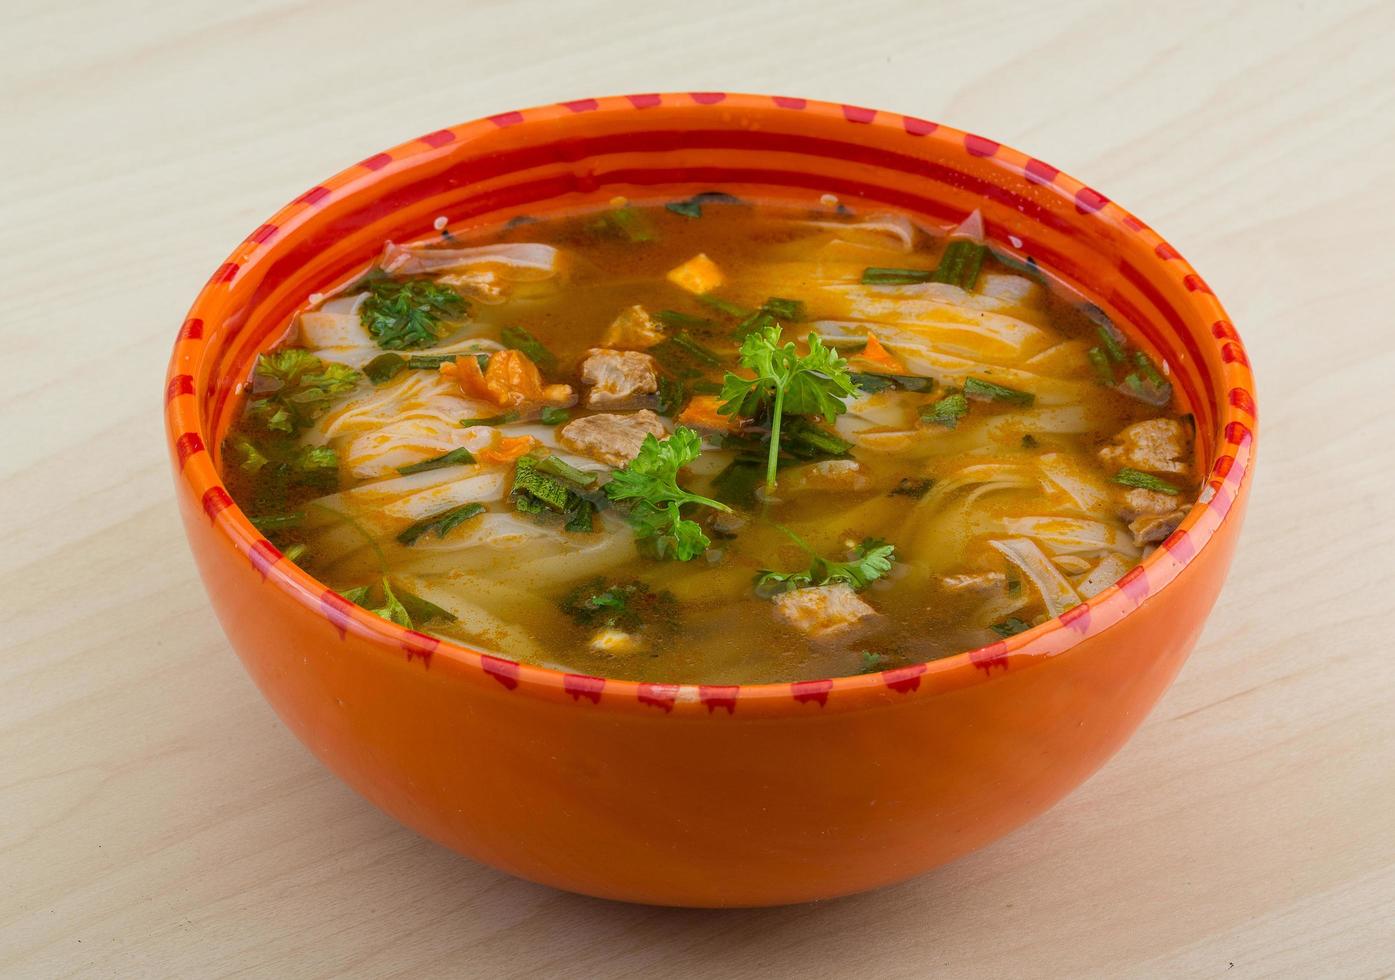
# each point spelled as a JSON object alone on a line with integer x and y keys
{"x": 466, "y": 372}
{"x": 506, "y": 449}
{"x": 701, "y": 412}
{"x": 875, "y": 353}
{"x": 510, "y": 381}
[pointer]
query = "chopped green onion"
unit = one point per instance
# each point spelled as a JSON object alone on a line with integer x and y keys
{"x": 521, "y": 340}
{"x": 1145, "y": 364}
{"x": 737, "y": 483}
{"x": 357, "y": 595}
{"x": 723, "y": 306}
{"x": 384, "y": 367}
{"x": 430, "y": 362}
{"x": 882, "y": 276}
{"x": 872, "y": 662}
{"x": 556, "y": 466}
{"x": 908, "y": 487}
{"x": 422, "y": 610}
{"x": 456, "y": 457}
{"x": 1010, "y": 627}
{"x": 1112, "y": 345}
{"x": 947, "y": 411}
{"x": 1144, "y": 481}
{"x": 706, "y": 386}
{"x": 503, "y": 419}
{"x": 784, "y": 309}
{"x": 688, "y": 209}
{"x": 673, "y": 395}
{"x": 678, "y": 351}
{"x": 278, "y": 522}
{"x": 627, "y": 223}
{"x": 553, "y": 415}
{"x": 1099, "y": 360}
{"x": 675, "y": 320}
{"x": 875, "y": 382}
{"x": 987, "y": 391}
{"x": 441, "y": 524}
{"x": 960, "y": 263}
{"x": 295, "y": 552}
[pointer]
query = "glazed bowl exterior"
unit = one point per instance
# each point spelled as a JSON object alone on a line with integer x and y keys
{"x": 695, "y": 794}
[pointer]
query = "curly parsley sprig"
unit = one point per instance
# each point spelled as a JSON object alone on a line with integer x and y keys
{"x": 786, "y": 382}
{"x": 650, "y": 483}
{"x": 867, "y": 562}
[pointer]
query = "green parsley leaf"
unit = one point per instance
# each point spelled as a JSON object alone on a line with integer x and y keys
{"x": 650, "y": 483}
{"x": 867, "y": 562}
{"x": 291, "y": 388}
{"x": 785, "y": 381}
{"x": 400, "y": 315}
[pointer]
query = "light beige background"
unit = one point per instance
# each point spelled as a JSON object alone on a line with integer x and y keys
{"x": 156, "y": 819}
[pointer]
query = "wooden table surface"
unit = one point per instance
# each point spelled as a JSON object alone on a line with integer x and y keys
{"x": 157, "y": 819}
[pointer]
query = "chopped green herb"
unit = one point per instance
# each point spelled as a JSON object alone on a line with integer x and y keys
{"x": 1029, "y": 441}
{"x": 913, "y": 488}
{"x": 440, "y": 524}
{"x": 385, "y": 367}
{"x": 1112, "y": 343}
{"x": 805, "y": 440}
{"x": 789, "y": 310}
{"x": 626, "y": 222}
{"x": 295, "y": 552}
{"x": 960, "y": 263}
{"x": 253, "y": 459}
{"x": 551, "y": 415}
{"x": 430, "y": 362}
{"x": 675, "y": 320}
{"x": 400, "y": 315}
{"x": 503, "y": 419}
{"x": 534, "y": 487}
{"x": 987, "y": 391}
{"x": 1147, "y": 391}
{"x": 1027, "y": 267}
{"x": 556, "y": 466}
{"x": 456, "y": 457}
{"x": 786, "y": 381}
{"x": 1150, "y": 371}
{"x": 423, "y": 611}
{"x": 870, "y": 663}
{"x": 650, "y": 483}
{"x": 392, "y": 609}
{"x": 873, "y": 383}
{"x": 1144, "y": 481}
{"x": 521, "y": 340}
{"x": 723, "y": 306}
{"x": 736, "y": 483}
{"x": 628, "y": 606}
{"x": 883, "y": 276}
{"x": 357, "y": 595}
{"x": 1099, "y": 360}
{"x": 278, "y": 522}
{"x": 1010, "y": 627}
{"x": 291, "y": 387}
{"x": 947, "y": 411}
{"x": 684, "y": 356}
{"x": 673, "y": 395}
{"x": 688, "y": 209}
{"x": 867, "y": 562}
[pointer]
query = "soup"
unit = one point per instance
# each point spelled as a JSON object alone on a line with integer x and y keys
{"x": 711, "y": 440}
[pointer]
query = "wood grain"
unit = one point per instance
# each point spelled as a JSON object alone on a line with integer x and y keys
{"x": 158, "y": 820}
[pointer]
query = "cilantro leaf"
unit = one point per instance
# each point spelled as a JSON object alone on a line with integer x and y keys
{"x": 441, "y": 524}
{"x": 627, "y": 606}
{"x": 650, "y": 483}
{"x": 401, "y": 315}
{"x": 291, "y": 388}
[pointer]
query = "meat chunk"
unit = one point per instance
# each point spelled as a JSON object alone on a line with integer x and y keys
{"x": 823, "y": 611}
{"x": 1154, "y": 446}
{"x": 1152, "y": 528}
{"x": 1137, "y": 502}
{"x": 633, "y": 329}
{"x": 976, "y": 583}
{"x": 698, "y": 275}
{"x": 830, "y": 474}
{"x": 618, "y": 378}
{"x": 612, "y": 439}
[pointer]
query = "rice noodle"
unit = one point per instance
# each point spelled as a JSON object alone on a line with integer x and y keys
{"x": 1109, "y": 570}
{"x": 1055, "y": 589}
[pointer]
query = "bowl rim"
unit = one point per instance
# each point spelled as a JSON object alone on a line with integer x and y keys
{"x": 1231, "y": 465}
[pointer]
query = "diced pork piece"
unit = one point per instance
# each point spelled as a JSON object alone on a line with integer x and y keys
{"x": 1138, "y": 502}
{"x": 830, "y": 474}
{"x": 823, "y": 611}
{"x": 633, "y": 329}
{"x": 976, "y": 583}
{"x": 698, "y": 275}
{"x": 615, "y": 642}
{"x": 728, "y": 524}
{"x": 1153, "y": 528}
{"x": 612, "y": 439}
{"x": 1155, "y": 446}
{"x": 618, "y": 378}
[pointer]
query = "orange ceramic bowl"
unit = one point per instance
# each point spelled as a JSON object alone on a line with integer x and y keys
{"x": 708, "y": 795}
